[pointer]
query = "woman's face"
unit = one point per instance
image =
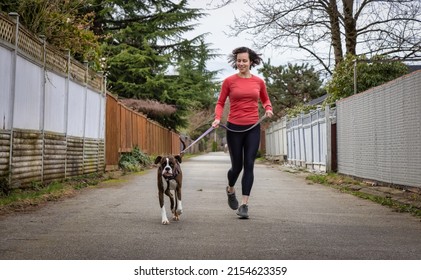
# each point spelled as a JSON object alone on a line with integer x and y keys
{"x": 243, "y": 62}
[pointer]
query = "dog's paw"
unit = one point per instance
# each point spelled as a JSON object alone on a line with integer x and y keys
{"x": 176, "y": 218}
{"x": 165, "y": 222}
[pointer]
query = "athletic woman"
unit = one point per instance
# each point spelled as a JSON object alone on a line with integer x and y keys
{"x": 244, "y": 91}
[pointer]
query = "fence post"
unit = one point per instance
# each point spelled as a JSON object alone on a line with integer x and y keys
{"x": 328, "y": 140}
{"x": 85, "y": 115}
{"x": 13, "y": 92}
{"x": 301, "y": 127}
{"x": 319, "y": 142}
{"x": 66, "y": 108}
{"x": 43, "y": 101}
{"x": 99, "y": 125}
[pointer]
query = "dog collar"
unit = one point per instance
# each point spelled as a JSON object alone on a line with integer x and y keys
{"x": 172, "y": 177}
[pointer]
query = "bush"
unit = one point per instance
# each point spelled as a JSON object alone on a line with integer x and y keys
{"x": 135, "y": 161}
{"x": 369, "y": 75}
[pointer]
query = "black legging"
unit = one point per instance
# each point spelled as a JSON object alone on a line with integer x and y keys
{"x": 243, "y": 148}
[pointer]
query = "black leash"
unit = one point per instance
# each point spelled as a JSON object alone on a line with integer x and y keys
{"x": 245, "y": 130}
{"x": 224, "y": 126}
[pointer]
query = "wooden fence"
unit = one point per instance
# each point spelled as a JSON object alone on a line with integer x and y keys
{"x": 127, "y": 129}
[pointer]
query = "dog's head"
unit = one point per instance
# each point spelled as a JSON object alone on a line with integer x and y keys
{"x": 169, "y": 166}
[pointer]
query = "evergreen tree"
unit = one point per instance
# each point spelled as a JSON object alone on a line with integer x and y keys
{"x": 148, "y": 57}
{"x": 291, "y": 85}
{"x": 61, "y": 23}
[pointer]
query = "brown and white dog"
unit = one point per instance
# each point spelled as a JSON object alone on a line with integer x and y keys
{"x": 170, "y": 178}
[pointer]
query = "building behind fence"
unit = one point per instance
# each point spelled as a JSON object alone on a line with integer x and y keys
{"x": 56, "y": 119}
{"x": 379, "y": 132}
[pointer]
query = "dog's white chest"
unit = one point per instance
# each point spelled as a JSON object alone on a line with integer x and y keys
{"x": 172, "y": 184}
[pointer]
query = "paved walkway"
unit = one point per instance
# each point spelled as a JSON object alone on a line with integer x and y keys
{"x": 289, "y": 219}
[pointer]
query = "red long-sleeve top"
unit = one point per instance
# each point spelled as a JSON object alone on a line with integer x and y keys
{"x": 244, "y": 95}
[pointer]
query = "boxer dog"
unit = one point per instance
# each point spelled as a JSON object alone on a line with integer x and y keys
{"x": 170, "y": 179}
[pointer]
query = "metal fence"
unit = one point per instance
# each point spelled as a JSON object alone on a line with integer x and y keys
{"x": 379, "y": 132}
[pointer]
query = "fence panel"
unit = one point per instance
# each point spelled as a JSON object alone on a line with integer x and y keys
{"x": 55, "y": 103}
{"x": 276, "y": 140}
{"x": 112, "y": 133}
{"x": 379, "y": 132}
{"x": 5, "y": 87}
{"x": 48, "y": 108}
{"x": 55, "y": 115}
{"x": 74, "y": 156}
{"x": 28, "y": 95}
{"x": 93, "y": 115}
{"x": 27, "y": 157}
{"x": 55, "y": 150}
{"x": 4, "y": 153}
{"x": 76, "y": 110}
{"x": 303, "y": 140}
{"x": 127, "y": 129}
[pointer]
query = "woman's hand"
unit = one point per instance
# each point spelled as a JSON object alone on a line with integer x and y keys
{"x": 215, "y": 123}
{"x": 269, "y": 114}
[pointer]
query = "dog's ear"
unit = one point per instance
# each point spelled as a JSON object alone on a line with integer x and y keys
{"x": 178, "y": 158}
{"x": 158, "y": 159}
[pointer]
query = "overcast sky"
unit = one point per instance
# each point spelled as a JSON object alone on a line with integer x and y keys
{"x": 217, "y": 23}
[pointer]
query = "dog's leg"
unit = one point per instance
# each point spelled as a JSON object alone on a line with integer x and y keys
{"x": 170, "y": 195}
{"x": 179, "y": 209}
{"x": 176, "y": 211}
{"x": 164, "y": 218}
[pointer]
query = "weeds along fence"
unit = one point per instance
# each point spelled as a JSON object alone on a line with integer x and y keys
{"x": 55, "y": 119}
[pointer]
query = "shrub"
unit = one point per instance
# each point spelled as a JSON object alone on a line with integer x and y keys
{"x": 369, "y": 74}
{"x": 135, "y": 161}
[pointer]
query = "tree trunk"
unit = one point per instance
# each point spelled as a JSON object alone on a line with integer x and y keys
{"x": 350, "y": 27}
{"x": 332, "y": 10}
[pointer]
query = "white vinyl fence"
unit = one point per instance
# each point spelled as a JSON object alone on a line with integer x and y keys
{"x": 302, "y": 141}
{"x": 52, "y": 111}
{"x": 276, "y": 140}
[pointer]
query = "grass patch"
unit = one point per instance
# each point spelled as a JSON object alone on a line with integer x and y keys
{"x": 333, "y": 179}
{"x": 37, "y": 194}
{"x": 347, "y": 184}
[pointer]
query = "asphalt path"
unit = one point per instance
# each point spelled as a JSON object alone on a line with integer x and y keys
{"x": 290, "y": 219}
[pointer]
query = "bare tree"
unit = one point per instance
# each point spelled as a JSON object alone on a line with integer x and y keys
{"x": 329, "y": 29}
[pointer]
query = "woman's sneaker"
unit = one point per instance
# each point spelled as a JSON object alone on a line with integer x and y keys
{"x": 232, "y": 200}
{"x": 243, "y": 211}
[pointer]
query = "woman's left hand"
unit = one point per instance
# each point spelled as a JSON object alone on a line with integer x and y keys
{"x": 269, "y": 114}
